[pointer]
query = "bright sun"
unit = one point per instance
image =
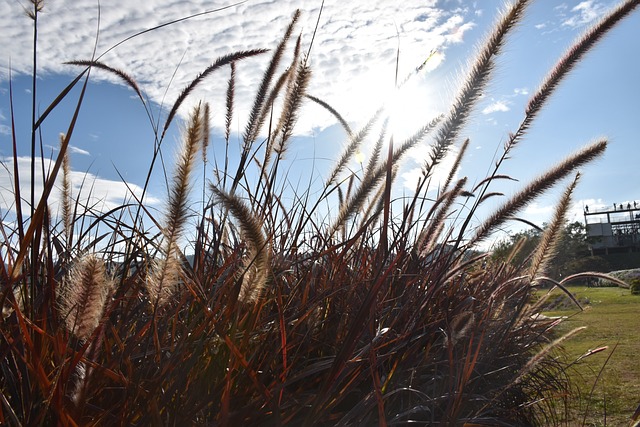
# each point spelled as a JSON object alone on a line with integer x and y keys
{"x": 407, "y": 108}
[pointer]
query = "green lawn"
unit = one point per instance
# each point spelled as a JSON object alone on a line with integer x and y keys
{"x": 612, "y": 316}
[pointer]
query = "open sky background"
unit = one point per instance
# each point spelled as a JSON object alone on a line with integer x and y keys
{"x": 353, "y": 61}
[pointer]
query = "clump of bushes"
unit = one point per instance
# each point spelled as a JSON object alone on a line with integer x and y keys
{"x": 382, "y": 313}
{"x": 623, "y": 278}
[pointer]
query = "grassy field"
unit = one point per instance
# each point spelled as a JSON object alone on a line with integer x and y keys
{"x": 612, "y": 319}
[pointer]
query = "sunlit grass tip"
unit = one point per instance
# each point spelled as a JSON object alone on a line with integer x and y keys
{"x": 85, "y": 292}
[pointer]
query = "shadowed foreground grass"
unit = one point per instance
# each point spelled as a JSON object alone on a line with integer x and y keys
{"x": 612, "y": 318}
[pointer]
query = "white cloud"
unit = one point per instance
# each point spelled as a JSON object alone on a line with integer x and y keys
{"x": 540, "y": 26}
{"x": 356, "y": 44}
{"x": 521, "y": 91}
{"x": 76, "y": 150}
{"x": 5, "y": 130}
{"x": 584, "y": 13}
{"x": 92, "y": 191}
{"x": 71, "y": 149}
{"x": 543, "y": 213}
{"x": 440, "y": 173}
{"x": 495, "y": 107}
{"x": 536, "y": 210}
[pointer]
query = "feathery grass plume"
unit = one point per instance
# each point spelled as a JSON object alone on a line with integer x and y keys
{"x": 38, "y": 5}
{"x": 491, "y": 178}
{"x": 371, "y": 181}
{"x": 356, "y": 201}
{"x": 123, "y": 75}
{"x": 218, "y": 63}
{"x": 573, "y": 56}
{"x": 228, "y": 118}
{"x": 538, "y": 357}
{"x": 256, "y": 269}
{"x": 289, "y": 76}
{"x": 333, "y": 111}
{"x": 593, "y": 275}
{"x": 206, "y": 131}
{"x": 292, "y": 102}
{"x": 537, "y": 187}
{"x": 231, "y": 89}
{"x": 374, "y": 156}
{"x": 563, "y": 67}
{"x": 429, "y": 236}
{"x": 456, "y": 165}
{"x": 258, "y": 112}
{"x": 256, "y": 118}
{"x": 164, "y": 274}
{"x": 354, "y": 143}
{"x": 273, "y": 95}
{"x": 474, "y": 85}
{"x": 163, "y": 277}
{"x": 547, "y": 247}
{"x": 85, "y": 290}
{"x": 67, "y": 221}
{"x": 286, "y": 77}
{"x": 377, "y": 205}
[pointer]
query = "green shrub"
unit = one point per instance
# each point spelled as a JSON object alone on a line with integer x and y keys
{"x": 634, "y": 286}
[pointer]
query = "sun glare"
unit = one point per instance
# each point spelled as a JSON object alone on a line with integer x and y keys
{"x": 412, "y": 104}
{"x": 408, "y": 107}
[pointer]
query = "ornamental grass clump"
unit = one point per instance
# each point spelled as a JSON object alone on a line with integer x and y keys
{"x": 267, "y": 304}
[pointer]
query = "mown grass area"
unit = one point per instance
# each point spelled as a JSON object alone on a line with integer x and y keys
{"x": 612, "y": 319}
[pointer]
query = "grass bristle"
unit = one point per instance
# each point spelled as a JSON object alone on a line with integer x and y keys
{"x": 84, "y": 294}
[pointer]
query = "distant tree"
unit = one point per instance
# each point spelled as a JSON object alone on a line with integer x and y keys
{"x": 572, "y": 254}
{"x": 517, "y": 247}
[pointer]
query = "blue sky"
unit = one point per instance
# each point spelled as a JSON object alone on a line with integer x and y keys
{"x": 353, "y": 59}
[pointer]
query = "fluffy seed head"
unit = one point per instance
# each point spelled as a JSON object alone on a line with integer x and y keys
{"x": 85, "y": 290}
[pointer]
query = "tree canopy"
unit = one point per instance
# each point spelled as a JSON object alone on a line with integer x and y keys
{"x": 572, "y": 255}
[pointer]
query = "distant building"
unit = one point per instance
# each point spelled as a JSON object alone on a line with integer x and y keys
{"x": 613, "y": 230}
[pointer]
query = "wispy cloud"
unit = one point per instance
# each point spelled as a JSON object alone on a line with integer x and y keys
{"x": 4, "y": 129}
{"x": 76, "y": 150}
{"x": 71, "y": 149}
{"x": 497, "y": 106}
{"x": 541, "y": 213}
{"x": 521, "y": 91}
{"x": 356, "y": 43}
{"x": 421, "y": 153}
{"x": 584, "y": 13}
{"x": 536, "y": 210}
